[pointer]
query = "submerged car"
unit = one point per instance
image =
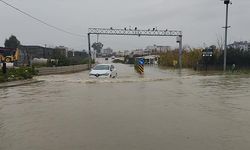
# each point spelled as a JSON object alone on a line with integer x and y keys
{"x": 103, "y": 71}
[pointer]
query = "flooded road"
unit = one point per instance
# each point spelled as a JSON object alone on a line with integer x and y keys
{"x": 164, "y": 109}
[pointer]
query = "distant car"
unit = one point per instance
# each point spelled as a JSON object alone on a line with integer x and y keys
{"x": 106, "y": 58}
{"x": 103, "y": 71}
{"x": 113, "y": 57}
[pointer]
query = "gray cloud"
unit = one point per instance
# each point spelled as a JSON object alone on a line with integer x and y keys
{"x": 200, "y": 21}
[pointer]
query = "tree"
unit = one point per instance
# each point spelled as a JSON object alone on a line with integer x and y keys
{"x": 220, "y": 43}
{"x": 12, "y": 42}
{"x": 97, "y": 46}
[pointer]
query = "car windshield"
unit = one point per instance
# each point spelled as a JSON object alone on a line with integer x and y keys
{"x": 101, "y": 67}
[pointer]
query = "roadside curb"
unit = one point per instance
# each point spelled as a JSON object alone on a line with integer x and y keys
{"x": 17, "y": 83}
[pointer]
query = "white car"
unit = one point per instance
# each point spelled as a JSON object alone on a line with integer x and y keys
{"x": 103, "y": 71}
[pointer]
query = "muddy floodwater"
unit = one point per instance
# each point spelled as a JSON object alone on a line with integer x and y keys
{"x": 164, "y": 109}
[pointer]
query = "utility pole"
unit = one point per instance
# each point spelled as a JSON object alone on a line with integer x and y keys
{"x": 89, "y": 45}
{"x": 4, "y": 69}
{"x": 226, "y": 2}
{"x": 179, "y": 40}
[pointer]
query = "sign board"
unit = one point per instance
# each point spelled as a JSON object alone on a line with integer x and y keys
{"x": 139, "y": 65}
{"x": 141, "y": 61}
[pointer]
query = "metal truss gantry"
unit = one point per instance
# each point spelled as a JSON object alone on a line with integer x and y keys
{"x": 136, "y": 32}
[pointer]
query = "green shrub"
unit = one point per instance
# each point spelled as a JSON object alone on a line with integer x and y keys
{"x": 18, "y": 74}
{"x": 118, "y": 61}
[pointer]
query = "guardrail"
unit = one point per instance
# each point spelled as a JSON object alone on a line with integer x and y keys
{"x": 61, "y": 70}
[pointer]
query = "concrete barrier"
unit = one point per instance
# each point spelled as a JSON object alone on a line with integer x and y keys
{"x": 61, "y": 70}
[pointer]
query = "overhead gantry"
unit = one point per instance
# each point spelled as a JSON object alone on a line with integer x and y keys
{"x": 136, "y": 32}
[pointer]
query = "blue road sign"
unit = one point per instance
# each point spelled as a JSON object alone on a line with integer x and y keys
{"x": 141, "y": 61}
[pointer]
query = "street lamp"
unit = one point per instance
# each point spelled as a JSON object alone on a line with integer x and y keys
{"x": 226, "y": 2}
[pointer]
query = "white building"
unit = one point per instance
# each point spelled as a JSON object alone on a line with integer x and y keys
{"x": 157, "y": 49}
{"x": 243, "y": 45}
{"x": 107, "y": 52}
{"x": 126, "y": 52}
{"x": 120, "y": 53}
{"x": 138, "y": 52}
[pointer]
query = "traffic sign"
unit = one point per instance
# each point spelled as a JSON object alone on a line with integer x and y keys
{"x": 139, "y": 65}
{"x": 141, "y": 61}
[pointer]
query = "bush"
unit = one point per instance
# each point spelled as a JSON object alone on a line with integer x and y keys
{"x": 194, "y": 58}
{"x": 18, "y": 74}
{"x": 118, "y": 61}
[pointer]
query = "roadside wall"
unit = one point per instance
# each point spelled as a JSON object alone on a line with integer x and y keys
{"x": 61, "y": 70}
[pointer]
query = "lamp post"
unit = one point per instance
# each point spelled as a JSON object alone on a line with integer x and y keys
{"x": 226, "y": 2}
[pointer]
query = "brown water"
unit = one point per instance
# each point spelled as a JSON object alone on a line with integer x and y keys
{"x": 165, "y": 109}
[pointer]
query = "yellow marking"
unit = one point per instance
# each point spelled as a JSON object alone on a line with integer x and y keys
{"x": 140, "y": 69}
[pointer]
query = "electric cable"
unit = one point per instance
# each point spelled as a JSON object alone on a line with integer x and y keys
{"x": 41, "y": 21}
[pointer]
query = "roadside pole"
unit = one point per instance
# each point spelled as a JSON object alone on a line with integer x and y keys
{"x": 225, "y": 46}
{"x": 90, "y": 60}
{"x": 4, "y": 70}
{"x": 226, "y": 2}
{"x": 179, "y": 40}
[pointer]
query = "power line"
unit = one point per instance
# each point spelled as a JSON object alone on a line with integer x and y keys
{"x": 41, "y": 21}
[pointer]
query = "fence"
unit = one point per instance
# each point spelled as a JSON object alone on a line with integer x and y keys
{"x": 61, "y": 70}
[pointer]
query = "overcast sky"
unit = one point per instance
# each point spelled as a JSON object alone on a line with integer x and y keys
{"x": 200, "y": 20}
